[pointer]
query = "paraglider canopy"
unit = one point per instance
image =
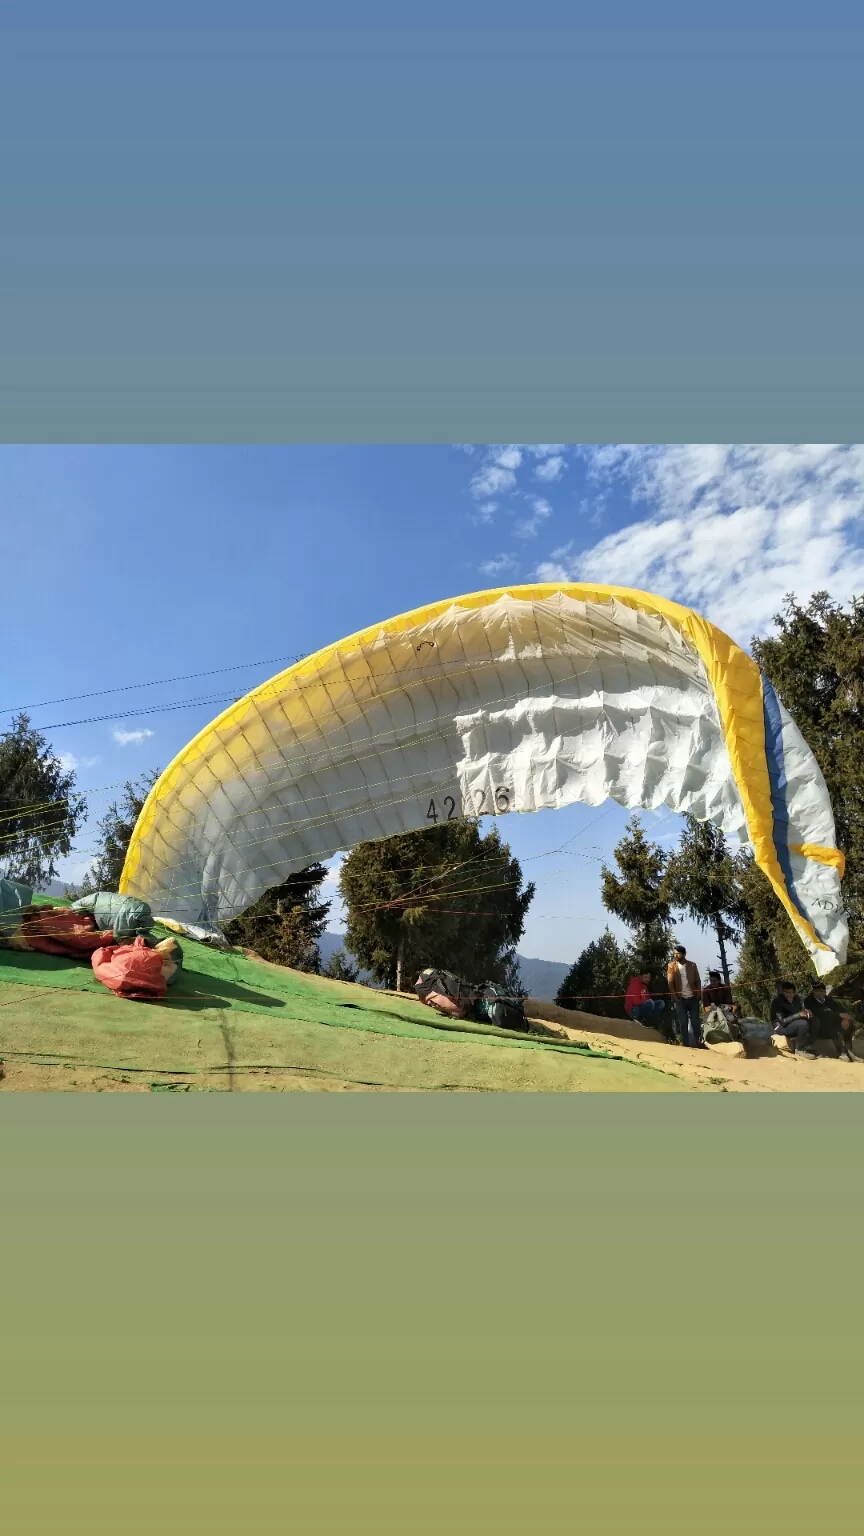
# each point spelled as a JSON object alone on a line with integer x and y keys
{"x": 506, "y": 701}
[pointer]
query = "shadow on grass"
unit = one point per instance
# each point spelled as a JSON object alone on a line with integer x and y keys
{"x": 32, "y": 960}
{"x": 187, "y": 994}
{"x": 216, "y": 993}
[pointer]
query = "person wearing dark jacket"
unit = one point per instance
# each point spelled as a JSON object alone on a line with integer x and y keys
{"x": 716, "y": 994}
{"x": 791, "y": 1019}
{"x": 828, "y": 1023}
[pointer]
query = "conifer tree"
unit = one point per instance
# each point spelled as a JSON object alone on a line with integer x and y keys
{"x": 447, "y": 896}
{"x": 703, "y": 880}
{"x": 40, "y": 810}
{"x": 598, "y": 979}
{"x": 339, "y": 967}
{"x": 637, "y": 895}
{"x": 285, "y": 924}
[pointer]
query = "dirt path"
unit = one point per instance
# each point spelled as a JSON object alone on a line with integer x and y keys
{"x": 770, "y": 1071}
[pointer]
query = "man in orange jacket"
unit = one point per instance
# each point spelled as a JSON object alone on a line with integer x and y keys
{"x": 685, "y": 985}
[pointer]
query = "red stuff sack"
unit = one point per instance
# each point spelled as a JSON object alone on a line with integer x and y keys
{"x": 131, "y": 970}
{"x": 60, "y": 931}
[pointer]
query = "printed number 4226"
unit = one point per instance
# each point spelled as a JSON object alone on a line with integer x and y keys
{"x": 445, "y": 810}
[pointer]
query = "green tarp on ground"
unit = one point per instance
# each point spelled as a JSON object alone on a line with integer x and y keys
{"x": 228, "y": 1012}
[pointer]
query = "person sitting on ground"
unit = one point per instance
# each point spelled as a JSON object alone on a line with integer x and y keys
{"x": 790, "y": 1019}
{"x": 716, "y": 994}
{"x": 828, "y": 1023}
{"x": 640, "y": 1006}
{"x": 685, "y": 986}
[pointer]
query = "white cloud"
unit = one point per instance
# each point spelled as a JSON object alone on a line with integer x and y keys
{"x": 491, "y": 480}
{"x": 540, "y": 510}
{"x": 334, "y": 870}
{"x": 497, "y": 474}
{"x": 550, "y": 469}
{"x": 501, "y": 565}
{"x": 70, "y": 763}
{"x": 130, "y": 738}
{"x": 730, "y": 529}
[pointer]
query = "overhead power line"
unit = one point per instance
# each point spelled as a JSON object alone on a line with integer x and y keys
{"x": 156, "y": 682}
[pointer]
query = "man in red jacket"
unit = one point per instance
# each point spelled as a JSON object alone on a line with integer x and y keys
{"x": 641, "y": 1006}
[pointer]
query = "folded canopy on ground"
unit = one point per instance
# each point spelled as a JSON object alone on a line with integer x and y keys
{"x": 512, "y": 700}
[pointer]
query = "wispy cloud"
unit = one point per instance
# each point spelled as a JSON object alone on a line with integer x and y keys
{"x": 501, "y": 565}
{"x": 492, "y": 480}
{"x": 70, "y": 763}
{"x": 729, "y": 529}
{"x": 551, "y": 468}
{"x": 530, "y": 527}
{"x": 130, "y": 738}
{"x": 499, "y": 480}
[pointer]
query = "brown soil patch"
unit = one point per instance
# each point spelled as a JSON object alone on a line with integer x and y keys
{"x": 769, "y": 1071}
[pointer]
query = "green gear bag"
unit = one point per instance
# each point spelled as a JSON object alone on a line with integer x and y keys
{"x": 14, "y": 897}
{"x": 123, "y": 915}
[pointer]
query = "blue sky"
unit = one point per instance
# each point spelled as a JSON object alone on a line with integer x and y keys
{"x": 125, "y": 565}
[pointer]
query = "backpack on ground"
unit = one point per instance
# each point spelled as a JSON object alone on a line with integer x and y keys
{"x": 497, "y": 1007}
{"x": 446, "y": 992}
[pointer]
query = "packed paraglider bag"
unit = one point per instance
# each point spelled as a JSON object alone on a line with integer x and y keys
{"x": 123, "y": 916}
{"x": 458, "y": 999}
{"x": 60, "y": 931}
{"x": 445, "y": 992}
{"x": 495, "y": 1006}
{"x": 44, "y": 929}
{"x": 15, "y": 900}
{"x": 720, "y": 1027}
{"x": 137, "y": 970}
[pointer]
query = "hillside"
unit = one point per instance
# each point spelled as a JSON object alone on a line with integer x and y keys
{"x": 235, "y": 1022}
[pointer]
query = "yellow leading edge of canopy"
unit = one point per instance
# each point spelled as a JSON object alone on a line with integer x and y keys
{"x": 734, "y": 677}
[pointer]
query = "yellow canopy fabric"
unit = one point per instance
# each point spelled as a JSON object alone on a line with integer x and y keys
{"x": 502, "y": 701}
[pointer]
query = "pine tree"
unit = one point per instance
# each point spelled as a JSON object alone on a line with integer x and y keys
{"x": 40, "y": 811}
{"x": 703, "y": 881}
{"x": 447, "y": 896}
{"x": 285, "y": 924}
{"x": 637, "y": 895}
{"x": 114, "y": 833}
{"x": 598, "y": 979}
{"x": 339, "y": 967}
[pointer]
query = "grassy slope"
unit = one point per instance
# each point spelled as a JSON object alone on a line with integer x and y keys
{"x": 236, "y": 1022}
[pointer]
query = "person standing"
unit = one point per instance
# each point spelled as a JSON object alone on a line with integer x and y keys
{"x": 685, "y": 985}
